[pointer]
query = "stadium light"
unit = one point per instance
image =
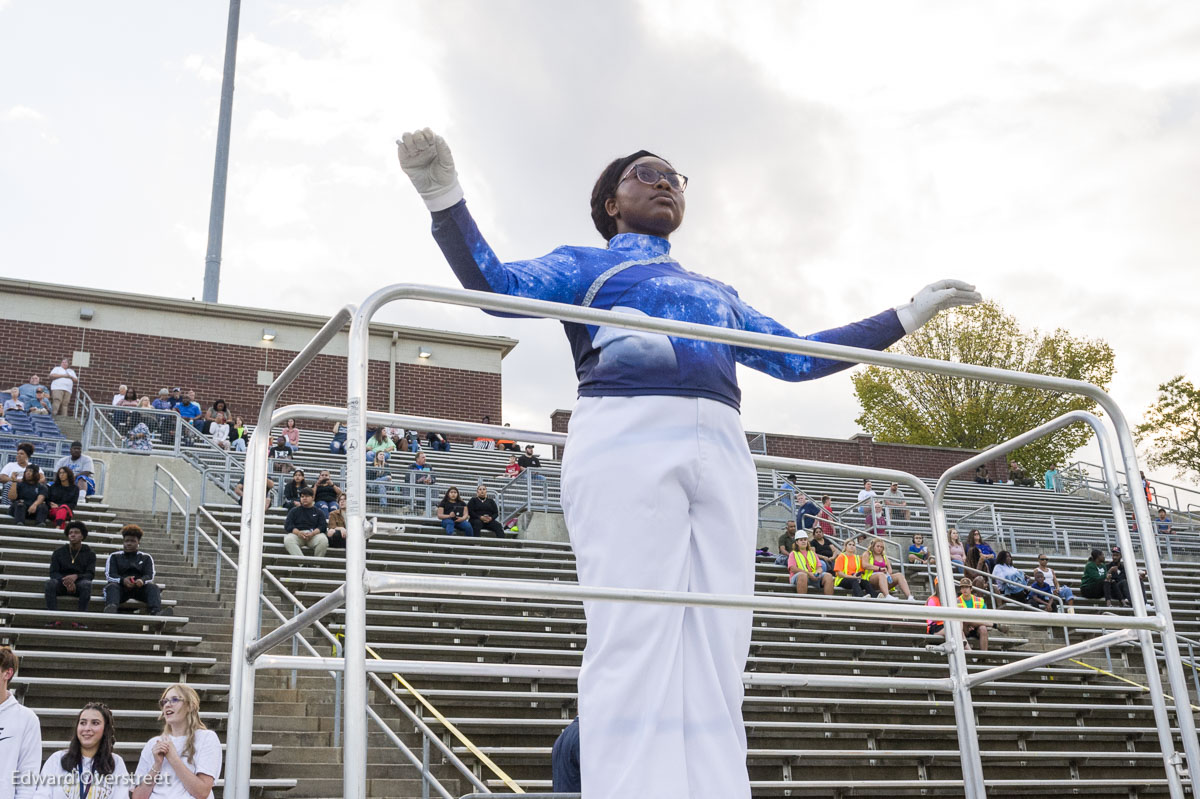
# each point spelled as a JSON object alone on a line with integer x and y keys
{"x": 423, "y": 352}
{"x": 268, "y": 334}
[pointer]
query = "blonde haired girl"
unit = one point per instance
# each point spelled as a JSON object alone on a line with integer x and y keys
{"x": 185, "y": 760}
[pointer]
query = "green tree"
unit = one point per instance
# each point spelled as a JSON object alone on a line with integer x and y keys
{"x": 1172, "y": 428}
{"x": 935, "y": 410}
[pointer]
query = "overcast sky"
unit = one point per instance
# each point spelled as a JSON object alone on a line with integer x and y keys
{"x": 842, "y": 155}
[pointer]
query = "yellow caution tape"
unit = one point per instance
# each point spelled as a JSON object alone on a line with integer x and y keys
{"x": 1122, "y": 679}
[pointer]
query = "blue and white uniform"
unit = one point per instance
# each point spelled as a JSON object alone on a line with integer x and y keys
{"x": 659, "y": 492}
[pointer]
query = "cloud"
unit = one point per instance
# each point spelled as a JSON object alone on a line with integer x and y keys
{"x": 21, "y": 113}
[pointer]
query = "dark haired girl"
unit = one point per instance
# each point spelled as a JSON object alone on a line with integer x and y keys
{"x": 28, "y": 497}
{"x": 452, "y": 513}
{"x": 656, "y": 432}
{"x": 87, "y": 767}
{"x": 62, "y": 496}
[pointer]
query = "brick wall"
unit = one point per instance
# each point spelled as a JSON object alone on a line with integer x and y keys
{"x": 147, "y": 363}
{"x": 860, "y": 450}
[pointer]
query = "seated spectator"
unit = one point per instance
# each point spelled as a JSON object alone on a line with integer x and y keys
{"x": 326, "y": 493}
{"x": 786, "y": 543}
{"x": 452, "y": 513}
{"x": 866, "y": 497}
{"x": 981, "y": 475}
{"x": 63, "y": 381}
{"x": 1163, "y": 523}
{"x": 805, "y": 566}
{"x": 564, "y": 761}
{"x": 987, "y": 554}
{"x": 293, "y": 489}
{"x": 163, "y": 401}
{"x": 414, "y": 441}
{"x": 280, "y": 451}
{"x": 935, "y": 626}
{"x": 1094, "y": 584}
{"x": 876, "y": 519}
{"x": 1011, "y": 581}
{"x": 139, "y": 439}
{"x": 338, "y": 445}
{"x": 529, "y": 460}
{"x": 218, "y": 407}
{"x": 305, "y": 526}
{"x": 423, "y": 474}
{"x": 129, "y": 574}
{"x": 506, "y": 444}
{"x": 958, "y": 553}
{"x": 219, "y": 430}
{"x": 120, "y": 395}
{"x": 87, "y": 761}
{"x": 336, "y": 524}
{"x": 81, "y": 466}
{"x": 239, "y": 435}
{"x": 484, "y": 513}
{"x": 130, "y": 400}
{"x": 512, "y": 468}
{"x": 1045, "y": 580}
{"x": 825, "y": 517}
{"x": 13, "y": 403}
{"x": 1115, "y": 574}
{"x": 72, "y": 569}
{"x": 40, "y": 403}
{"x": 848, "y": 571}
{"x": 808, "y": 511}
{"x": 176, "y": 399}
{"x": 28, "y": 391}
{"x": 398, "y": 437}
{"x": 189, "y": 409}
{"x": 240, "y": 489}
{"x": 5, "y": 425}
{"x": 437, "y": 441}
{"x": 968, "y": 599}
{"x": 1018, "y": 475}
{"x": 14, "y": 470}
{"x": 976, "y": 568}
{"x": 879, "y": 573}
{"x": 27, "y": 497}
{"x": 379, "y": 448}
{"x": 918, "y": 552}
{"x": 823, "y": 547}
{"x": 485, "y": 442}
{"x": 62, "y": 496}
{"x": 185, "y": 759}
{"x": 895, "y": 502}
{"x": 291, "y": 434}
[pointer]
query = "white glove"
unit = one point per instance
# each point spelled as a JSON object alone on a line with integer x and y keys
{"x": 933, "y": 298}
{"x": 425, "y": 158}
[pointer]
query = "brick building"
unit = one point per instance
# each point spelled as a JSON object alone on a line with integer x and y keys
{"x": 232, "y": 353}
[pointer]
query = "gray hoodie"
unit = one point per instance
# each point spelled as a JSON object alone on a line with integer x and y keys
{"x": 20, "y": 750}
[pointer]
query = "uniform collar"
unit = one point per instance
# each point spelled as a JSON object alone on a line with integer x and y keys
{"x": 640, "y": 243}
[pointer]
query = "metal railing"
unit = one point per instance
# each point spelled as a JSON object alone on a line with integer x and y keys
{"x": 360, "y": 581}
{"x": 174, "y": 504}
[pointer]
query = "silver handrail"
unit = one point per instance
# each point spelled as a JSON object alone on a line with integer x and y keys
{"x": 359, "y": 579}
{"x": 184, "y": 507}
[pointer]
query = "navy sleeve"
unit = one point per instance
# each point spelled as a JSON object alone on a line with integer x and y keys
{"x": 876, "y": 333}
{"x": 289, "y": 523}
{"x": 555, "y": 277}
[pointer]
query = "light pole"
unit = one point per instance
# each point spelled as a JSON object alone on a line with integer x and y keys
{"x": 216, "y": 214}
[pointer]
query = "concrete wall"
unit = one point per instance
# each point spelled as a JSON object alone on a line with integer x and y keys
{"x": 130, "y": 481}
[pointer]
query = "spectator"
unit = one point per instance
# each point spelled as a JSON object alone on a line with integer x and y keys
{"x": 305, "y": 526}
{"x": 5, "y": 426}
{"x": 823, "y": 547}
{"x": 218, "y": 407}
{"x": 1163, "y": 522}
{"x": 787, "y": 493}
{"x": 163, "y": 401}
{"x": 1094, "y": 584}
{"x": 1115, "y": 574}
{"x": 485, "y": 442}
{"x": 21, "y": 743}
{"x": 336, "y": 524}
{"x": 879, "y": 572}
{"x": 564, "y": 761}
{"x": 27, "y": 497}
{"x": 63, "y": 380}
{"x": 185, "y": 760}
{"x": 848, "y": 570}
{"x": 1013, "y": 584}
{"x": 529, "y": 460}
{"x": 27, "y": 391}
{"x": 1046, "y": 581}
{"x": 976, "y": 568}
{"x": 239, "y": 435}
{"x": 280, "y": 449}
{"x": 240, "y": 489}
{"x": 414, "y": 441}
{"x": 62, "y": 496}
{"x": 13, "y": 403}
{"x": 72, "y": 569}
{"x": 958, "y": 554}
{"x": 895, "y": 502}
{"x": 40, "y": 403}
{"x": 981, "y": 475}
{"x": 292, "y": 434}
{"x": 129, "y": 574}
{"x": 379, "y": 448}
{"x": 452, "y": 513}
{"x": 139, "y": 438}
{"x": 1018, "y": 475}
{"x": 918, "y": 552}
{"x": 326, "y": 493}
{"x": 338, "y": 445}
{"x": 876, "y": 519}
{"x": 483, "y": 513}
{"x": 220, "y": 431}
{"x": 293, "y": 489}
{"x": 14, "y": 470}
{"x": 87, "y": 767}
{"x": 987, "y": 554}
{"x": 934, "y": 626}
{"x": 512, "y": 468}
{"x": 967, "y": 599}
{"x": 1146, "y": 489}
{"x": 866, "y": 497}
{"x": 176, "y": 398}
{"x": 787, "y": 543}
{"x": 805, "y": 566}
{"x": 423, "y": 474}
{"x": 1052, "y": 480}
{"x": 120, "y": 395}
{"x": 130, "y": 400}
{"x": 189, "y": 409}
{"x": 437, "y": 441}
{"x": 825, "y": 517}
{"x": 508, "y": 445}
{"x": 808, "y": 512}
{"x": 81, "y": 466}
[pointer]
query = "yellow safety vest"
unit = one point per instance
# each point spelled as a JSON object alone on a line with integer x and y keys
{"x": 810, "y": 564}
{"x": 976, "y": 603}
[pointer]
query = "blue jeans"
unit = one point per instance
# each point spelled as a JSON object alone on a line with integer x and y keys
{"x": 327, "y": 507}
{"x": 449, "y": 525}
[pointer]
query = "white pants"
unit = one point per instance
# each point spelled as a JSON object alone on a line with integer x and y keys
{"x": 660, "y": 493}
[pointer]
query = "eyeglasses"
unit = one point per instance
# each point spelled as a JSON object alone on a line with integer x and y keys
{"x": 1042, "y": 560}
{"x": 649, "y": 175}
{"x": 170, "y": 700}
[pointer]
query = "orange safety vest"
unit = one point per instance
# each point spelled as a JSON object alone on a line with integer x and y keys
{"x": 810, "y": 564}
{"x": 932, "y": 602}
{"x": 850, "y": 564}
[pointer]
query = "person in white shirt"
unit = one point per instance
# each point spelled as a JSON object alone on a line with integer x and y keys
{"x": 82, "y": 467}
{"x": 185, "y": 760}
{"x": 63, "y": 380}
{"x": 219, "y": 431}
{"x": 88, "y": 767}
{"x": 120, "y": 395}
{"x": 20, "y": 737}
{"x": 894, "y": 501}
{"x": 866, "y": 494}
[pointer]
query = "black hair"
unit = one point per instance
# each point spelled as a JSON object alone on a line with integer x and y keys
{"x": 606, "y": 187}
{"x": 70, "y": 475}
{"x": 1004, "y": 558}
{"x": 1096, "y": 555}
{"x": 25, "y": 447}
{"x": 37, "y": 473}
{"x": 76, "y": 524}
{"x": 307, "y": 492}
{"x": 102, "y": 763}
